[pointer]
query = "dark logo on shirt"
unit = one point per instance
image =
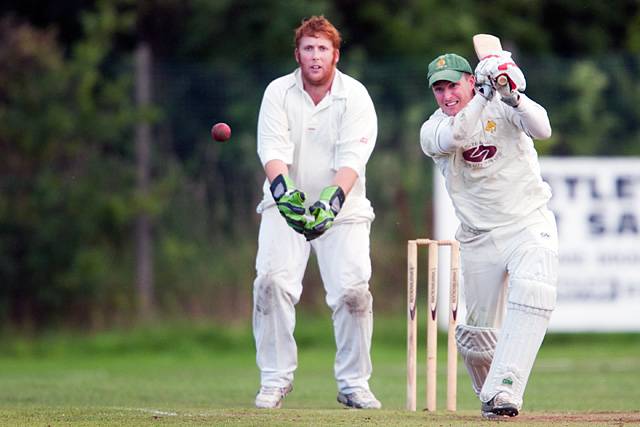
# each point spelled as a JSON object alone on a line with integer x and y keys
{"x": 479, "y": 153}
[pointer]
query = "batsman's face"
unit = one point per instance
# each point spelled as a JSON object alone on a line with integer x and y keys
{"x": 317, "y": 59}
{"x": 452, "y": 97}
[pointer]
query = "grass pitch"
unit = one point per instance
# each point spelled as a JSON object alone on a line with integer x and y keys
{"x": 205, "y": 375}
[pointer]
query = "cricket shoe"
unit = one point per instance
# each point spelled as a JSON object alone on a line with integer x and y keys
{"x": 270, "y": 397}
{"x": 498, "y": 407}
{"x": 359, "y": 399}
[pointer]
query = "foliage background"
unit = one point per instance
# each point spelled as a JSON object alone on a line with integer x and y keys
{"x": 68, "y": 194}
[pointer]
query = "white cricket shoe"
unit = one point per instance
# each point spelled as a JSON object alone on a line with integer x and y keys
{"x": 270, "y": 397}
{"x": 500, "y": 406}
{"x": 359, "y": 399}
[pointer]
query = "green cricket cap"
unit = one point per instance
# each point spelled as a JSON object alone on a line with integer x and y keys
{"x": 448, "y": 67}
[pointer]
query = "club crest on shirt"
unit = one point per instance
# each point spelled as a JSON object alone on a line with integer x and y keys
{"x": 479, "y": 153}
{"x": 491, "y": 126}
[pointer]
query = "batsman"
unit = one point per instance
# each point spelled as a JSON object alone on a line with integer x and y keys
{"x": 316, "y": 130}
{"x": 481, "y": 140}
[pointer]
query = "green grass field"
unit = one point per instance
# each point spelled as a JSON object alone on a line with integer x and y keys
{"x": 204, "y": 375}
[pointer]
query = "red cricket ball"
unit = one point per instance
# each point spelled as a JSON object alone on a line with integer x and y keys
{"x": 221, "y": 132}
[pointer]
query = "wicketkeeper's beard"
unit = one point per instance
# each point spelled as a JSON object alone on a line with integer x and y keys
{"x": 327, "y": 78}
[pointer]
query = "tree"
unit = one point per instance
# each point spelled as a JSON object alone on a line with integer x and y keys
{"x": 66, "y": 174}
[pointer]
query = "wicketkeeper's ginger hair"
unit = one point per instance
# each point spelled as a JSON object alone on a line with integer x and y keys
{"x": 318, "y": 26}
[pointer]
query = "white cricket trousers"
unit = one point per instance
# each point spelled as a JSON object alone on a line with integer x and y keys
{"x": 345, "y": 268}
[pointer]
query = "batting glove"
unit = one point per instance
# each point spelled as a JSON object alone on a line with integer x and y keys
{"x": 289, "y": 201}
{"x": 508, "y": 96}
{"x": 500, "y": 65}
{"x": 484, "y": 86}
{"x": 505, "y": 66}
{"x": 484, "y": 67}
{"x": 324, "y": 211}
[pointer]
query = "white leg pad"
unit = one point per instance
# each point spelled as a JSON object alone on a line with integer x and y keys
{"x": 531, "y": 299}
{"x": 534, "y": 280}
{"x": 520, "y": 339}
{"x": 476, "y": 345}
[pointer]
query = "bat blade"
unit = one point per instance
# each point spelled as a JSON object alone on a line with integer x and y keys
{"x": 487, "y": 45}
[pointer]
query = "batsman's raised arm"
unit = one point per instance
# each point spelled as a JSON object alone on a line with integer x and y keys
{"x": 530, "y": 117}
{"x": 526, "y": 114}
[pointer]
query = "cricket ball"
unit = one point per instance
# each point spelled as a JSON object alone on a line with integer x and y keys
{"x": 221, "y": 132}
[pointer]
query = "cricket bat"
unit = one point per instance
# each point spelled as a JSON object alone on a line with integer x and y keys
{"x": 487, "y": 45}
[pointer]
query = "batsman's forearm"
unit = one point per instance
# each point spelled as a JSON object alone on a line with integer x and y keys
{"x": 533, "y": 118}
{"x": 273, "y": 168}
{"x": 464, "y": 123}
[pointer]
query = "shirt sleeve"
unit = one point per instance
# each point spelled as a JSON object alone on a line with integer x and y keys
{"x": 436, "y": 135}
{"x": 274, "y": 142}
{"x": 358, "y": 132}
{"x": 530, "y": 117}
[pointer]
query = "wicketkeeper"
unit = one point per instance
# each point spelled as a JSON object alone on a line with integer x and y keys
{"x": 316, "y": 130}
{"x": 481, "y": 140}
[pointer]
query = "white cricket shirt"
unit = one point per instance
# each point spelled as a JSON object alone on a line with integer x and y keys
{"x": 493, "y": 177}
{"x": 317, "y": 140}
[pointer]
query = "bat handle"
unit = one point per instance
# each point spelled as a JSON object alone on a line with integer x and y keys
{"x": 502, "y": 80}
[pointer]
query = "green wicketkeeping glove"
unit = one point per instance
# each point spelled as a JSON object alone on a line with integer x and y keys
{"x": 324, "y": 211}
{"x": 289, "y": 201}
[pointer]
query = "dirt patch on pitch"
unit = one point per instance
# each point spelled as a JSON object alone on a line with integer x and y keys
{"x": 598, "y": 418}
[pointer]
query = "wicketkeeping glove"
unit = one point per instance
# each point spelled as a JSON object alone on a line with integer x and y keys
{"x": 324, "y": 211}
{"x": 289, "y": 201}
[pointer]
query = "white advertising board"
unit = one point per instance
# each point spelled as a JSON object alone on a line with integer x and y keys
{"x": 597, "y": 206}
